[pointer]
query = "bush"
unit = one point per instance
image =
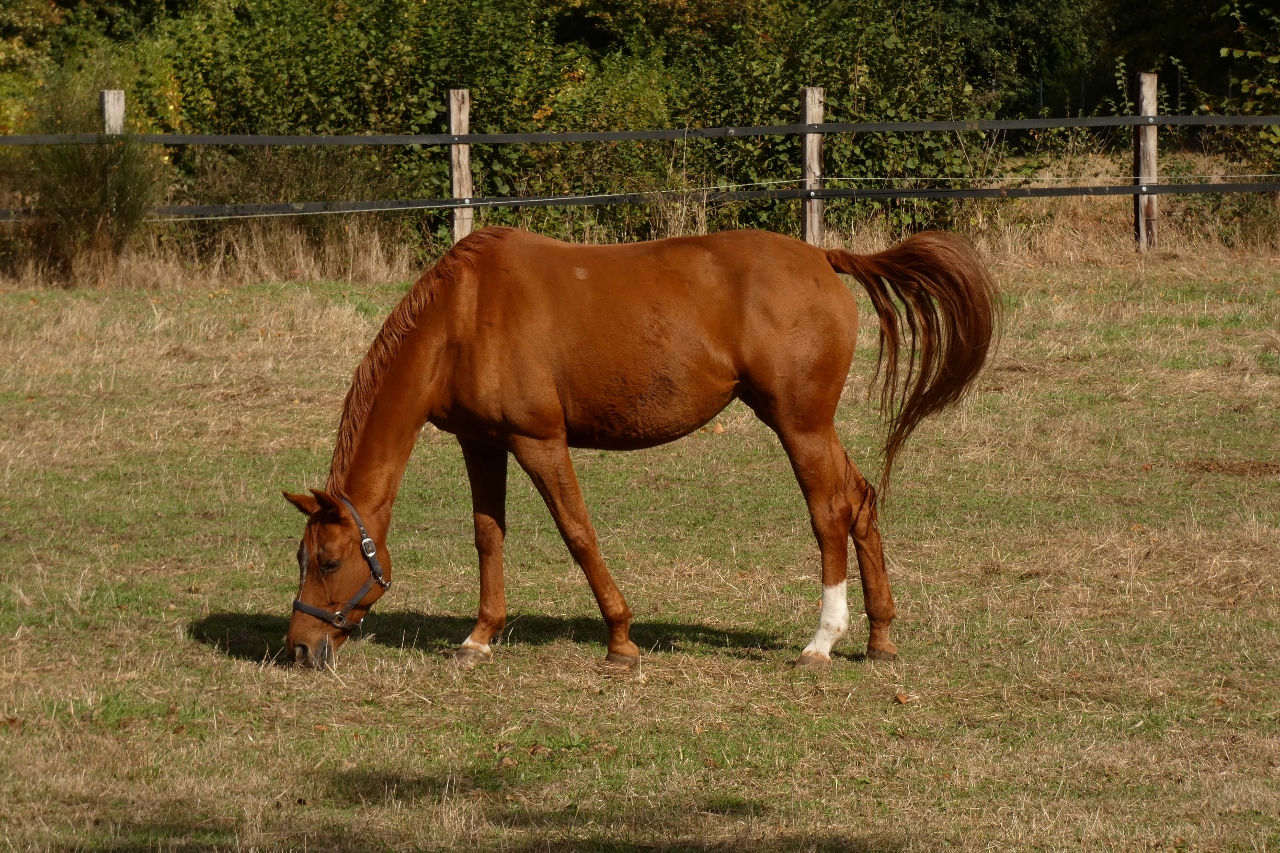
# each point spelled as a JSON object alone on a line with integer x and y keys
{"x": 90, "y": 199}
{"x": 93, "y": 198}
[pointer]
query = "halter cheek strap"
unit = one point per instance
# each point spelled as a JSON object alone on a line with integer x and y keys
{"x": 338, "y": 618}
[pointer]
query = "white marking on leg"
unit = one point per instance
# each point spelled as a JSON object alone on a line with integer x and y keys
{"x": 482, "y": 648}
{"x": 834, "y": 621}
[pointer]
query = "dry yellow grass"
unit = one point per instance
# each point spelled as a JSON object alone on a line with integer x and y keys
{"x": 353, "y": 249}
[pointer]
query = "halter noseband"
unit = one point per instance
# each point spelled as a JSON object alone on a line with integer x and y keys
{"x": 338, "y": 618}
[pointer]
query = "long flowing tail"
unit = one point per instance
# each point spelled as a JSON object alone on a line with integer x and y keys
{"x": 935, "y": 284}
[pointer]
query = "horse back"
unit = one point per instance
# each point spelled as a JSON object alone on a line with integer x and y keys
{"x": 635, "y": 344}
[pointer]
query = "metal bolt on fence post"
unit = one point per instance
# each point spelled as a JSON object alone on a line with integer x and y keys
{"x": 813, "y": 100}
{"x": 1145, "y": 211}
{"x": 460, "y": 161}
{"x": 112, "y": 101}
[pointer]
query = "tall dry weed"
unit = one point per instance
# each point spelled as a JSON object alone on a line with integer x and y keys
{"x": 176, "y": 255}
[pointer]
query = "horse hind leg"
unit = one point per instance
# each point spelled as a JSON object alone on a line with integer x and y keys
{"x": 819, "y": 463}
{"x": 877, "y": 597}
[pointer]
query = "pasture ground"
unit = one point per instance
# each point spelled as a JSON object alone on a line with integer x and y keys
{"x": 1086, "y": 558}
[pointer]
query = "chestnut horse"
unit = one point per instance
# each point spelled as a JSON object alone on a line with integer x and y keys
{"x": 524, "y": 345}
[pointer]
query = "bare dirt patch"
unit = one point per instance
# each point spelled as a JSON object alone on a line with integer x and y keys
{"x": 1246, "y": 468}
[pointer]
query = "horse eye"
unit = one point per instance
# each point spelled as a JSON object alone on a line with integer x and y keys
{"x": 329, "y": 565}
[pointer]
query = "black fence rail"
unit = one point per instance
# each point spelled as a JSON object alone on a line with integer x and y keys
{"x": 234, "y": 211}
{"x": 437, "y": 139}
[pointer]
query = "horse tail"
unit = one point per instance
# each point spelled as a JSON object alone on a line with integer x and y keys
{"x": 935, "y": 284}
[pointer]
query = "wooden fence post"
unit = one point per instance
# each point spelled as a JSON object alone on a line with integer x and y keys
{"x": 112, "y": 101}
{"x": 460, "y": 161}
{"x": 1145, "y": 213}
{"x": 812, "y": 102}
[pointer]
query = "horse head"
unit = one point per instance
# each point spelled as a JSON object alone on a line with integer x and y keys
{"x": 339, "y": 569}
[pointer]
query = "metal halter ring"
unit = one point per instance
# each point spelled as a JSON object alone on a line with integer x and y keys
{"x": 369, "y": 550}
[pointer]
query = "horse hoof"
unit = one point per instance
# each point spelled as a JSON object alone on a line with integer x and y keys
{"x": 812, "y": 662}
{"x": 621, "y": 660}
{"x": 881, "y": 655}
{"x": 467, "y": 657}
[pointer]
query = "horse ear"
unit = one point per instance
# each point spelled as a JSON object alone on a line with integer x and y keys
{"x": 306, "y": 504}
{"x": 326, "y": 502}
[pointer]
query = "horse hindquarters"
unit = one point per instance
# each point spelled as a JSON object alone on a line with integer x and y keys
{"x": 799, "y": 332}
{"x": 951, "y": 309}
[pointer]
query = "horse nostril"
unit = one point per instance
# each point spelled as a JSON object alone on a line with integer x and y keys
{"x": 302, "y": 654}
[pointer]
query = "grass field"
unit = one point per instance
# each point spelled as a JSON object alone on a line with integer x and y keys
{"x": 1086, "y": 558}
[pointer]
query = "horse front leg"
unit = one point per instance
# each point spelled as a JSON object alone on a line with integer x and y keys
{"x": 548, "y": 464}
{"x": 487, "y": 471}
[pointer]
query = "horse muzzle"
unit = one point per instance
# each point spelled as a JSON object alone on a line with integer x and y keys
{"x": 321, "y": 654}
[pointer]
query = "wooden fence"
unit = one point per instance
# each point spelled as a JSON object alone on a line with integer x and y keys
{"x": 1144, "y": 188}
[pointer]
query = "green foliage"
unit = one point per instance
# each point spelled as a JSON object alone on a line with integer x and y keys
{"x": 385, "y": 66}
{"x": 876, "y": 61}
{"x": 1011, "y": 45}
{"x": 40, "y": 37}
{"x": 26, "y": 31}
{"x": 1258, "y": 67}
{"x": 1149, "y": 34}
{"x": 299, "y": 66}
{"x": 94, "y": 196}
{"x": 95, "y": 21}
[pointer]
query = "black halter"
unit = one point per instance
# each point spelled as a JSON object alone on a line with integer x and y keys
{"x": 338, "y": 618}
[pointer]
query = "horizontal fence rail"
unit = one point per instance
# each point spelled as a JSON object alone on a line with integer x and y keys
{"x": 178, "y": 212}
{"x": 433, "y": 139}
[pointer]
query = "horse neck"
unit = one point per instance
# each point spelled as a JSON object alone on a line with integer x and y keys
{"x": 384, "y": 443}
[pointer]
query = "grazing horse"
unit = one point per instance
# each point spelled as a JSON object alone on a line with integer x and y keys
{"x": 523, "y": 345}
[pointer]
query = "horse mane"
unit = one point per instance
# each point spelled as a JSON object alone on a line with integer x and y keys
{"x": 402, "y": 320}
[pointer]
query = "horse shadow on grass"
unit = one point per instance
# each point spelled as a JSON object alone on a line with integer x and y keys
{"x": 259, "y": 637}
{"x": 338, "y": 810}
{"x": 490, "y": 796}
{"x": 536, "y": 831}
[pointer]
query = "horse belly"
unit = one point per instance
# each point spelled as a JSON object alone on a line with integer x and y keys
{"x": 645, "y": 407}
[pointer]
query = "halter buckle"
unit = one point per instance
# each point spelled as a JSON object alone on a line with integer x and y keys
{"x": 367, "y": 547}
